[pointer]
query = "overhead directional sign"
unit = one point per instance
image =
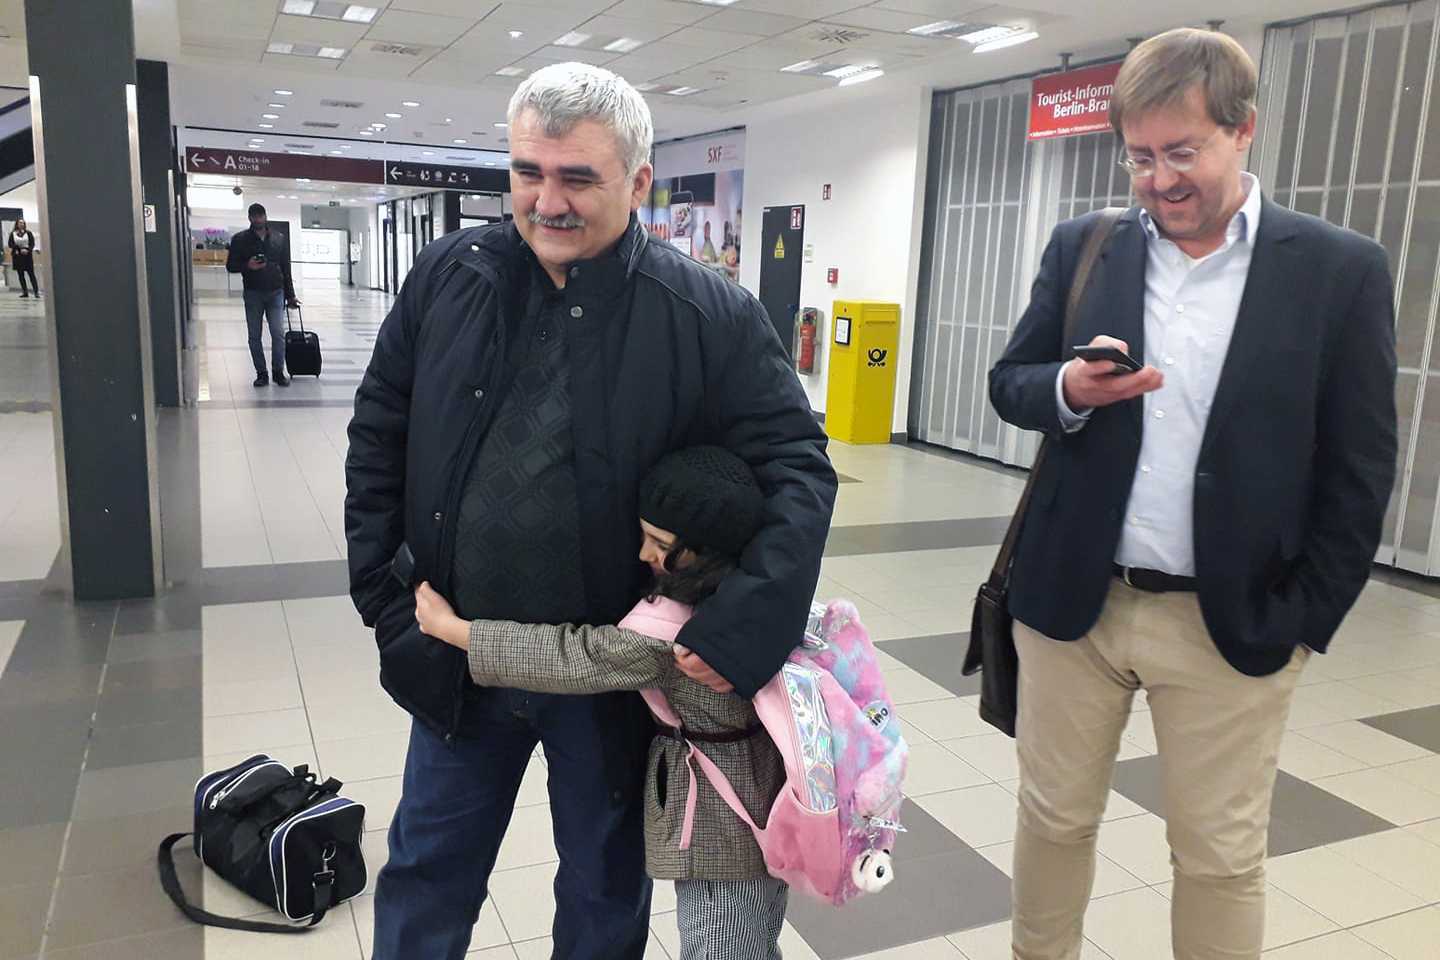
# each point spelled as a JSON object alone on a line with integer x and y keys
{"x": 254, "y": 163}
{"x": 444, "y": 177}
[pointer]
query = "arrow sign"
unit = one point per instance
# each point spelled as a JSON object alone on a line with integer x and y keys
{"x": 396, "y": 173}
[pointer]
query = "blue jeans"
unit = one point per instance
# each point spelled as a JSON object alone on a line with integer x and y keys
{"x": 454, "y": 809}
{"x": 258, "y": 307}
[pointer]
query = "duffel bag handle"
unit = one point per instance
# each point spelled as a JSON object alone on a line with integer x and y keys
{"x": 323, "y": 884}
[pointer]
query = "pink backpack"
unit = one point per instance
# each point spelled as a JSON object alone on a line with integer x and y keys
{"x": 832, "y": 828}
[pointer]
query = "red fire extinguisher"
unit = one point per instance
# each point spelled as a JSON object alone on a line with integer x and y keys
{"x": 805, "y": 356}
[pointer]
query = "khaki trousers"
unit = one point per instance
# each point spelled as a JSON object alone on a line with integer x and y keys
{"x": 1219, "y": 735}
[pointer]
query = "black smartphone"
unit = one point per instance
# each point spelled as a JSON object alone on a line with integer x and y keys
{"x": 1124, "y": 363}
{"x": 261, "y": 257}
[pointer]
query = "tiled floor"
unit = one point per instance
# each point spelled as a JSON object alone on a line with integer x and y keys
{"x": 111, "y": 711}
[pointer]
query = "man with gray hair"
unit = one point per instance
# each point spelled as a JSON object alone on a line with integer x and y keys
{"x": 528, "y": 376}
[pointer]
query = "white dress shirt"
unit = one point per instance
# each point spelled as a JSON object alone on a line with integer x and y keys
{"x": 1190, "y": 311}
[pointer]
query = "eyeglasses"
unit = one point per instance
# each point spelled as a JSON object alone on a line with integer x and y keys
{"x": 1181, "y": 160}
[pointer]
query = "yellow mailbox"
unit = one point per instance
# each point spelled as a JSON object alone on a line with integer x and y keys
{"x": 860, "y": 403}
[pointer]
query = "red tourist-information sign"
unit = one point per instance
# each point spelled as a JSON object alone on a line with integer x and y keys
{"x": 1069, "y": 104}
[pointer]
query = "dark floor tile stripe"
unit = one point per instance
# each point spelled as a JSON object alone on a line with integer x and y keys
{"x": 918, "y": 535}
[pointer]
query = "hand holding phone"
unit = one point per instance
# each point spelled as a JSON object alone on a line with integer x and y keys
{"x": 1091, "y": 380}
{"x": 1124, "y": 363}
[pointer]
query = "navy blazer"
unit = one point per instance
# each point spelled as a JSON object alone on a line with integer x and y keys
{"x": 1298, "y": 457}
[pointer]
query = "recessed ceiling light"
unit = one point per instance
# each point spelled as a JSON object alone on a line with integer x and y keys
{"x": 849, "y": 70}
{"x": 302, "y": 179}
{"x": 862, "y": 77}
{"x": 990, "y": 33}
{"x": 266, "y": 126}
{"x": 344, "y": 146}
{"x": 276, "y": 106}
{"x": 1003, "y": 42}
{"x": 683, "y": 91}
{"x": 489, "y": 163}
{"x": 367, "y": 133}
{"x": 800, "y": 67}
{"x": 358, "y": 14}
{"x": 939, "y": 26}
{"x": 270, "y": 116}
{"x": 284, "y": 93}
{"x": 409, "y": 103}
{"x": 623, "y": 45}
{"x": 395, "y": 116}
{"x": 332, "y": 53}
{"x": 335, "y": 153}
{"x": 510, "y": 72}
{"x": 516, "y": 34}
{"x": 378, "y": 126}
{"x": 449, "y": 119}
{"x": 572, "y": 39}
{"x": 716, "y": 3}
{"x": 502, "y": 125}
{"x": 257, "y": 139}
{"x": 299, "y": 8}
{"x": 646, "y": 87}
{"x": 458, "y": 140}
{"x": 279, "y": 47}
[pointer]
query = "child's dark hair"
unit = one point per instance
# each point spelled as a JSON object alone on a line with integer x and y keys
{"x": 697, "y": 581}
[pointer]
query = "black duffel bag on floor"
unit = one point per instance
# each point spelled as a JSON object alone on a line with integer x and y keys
{"x": 291, "y": 843}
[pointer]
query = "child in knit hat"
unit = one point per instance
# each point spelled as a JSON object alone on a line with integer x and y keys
{"x": 699, "y": 508}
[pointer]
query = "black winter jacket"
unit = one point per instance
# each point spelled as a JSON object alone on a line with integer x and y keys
{"x": 667, "y": 355}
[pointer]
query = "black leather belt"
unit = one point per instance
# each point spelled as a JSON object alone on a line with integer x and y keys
{"x": 1153, "y": 581}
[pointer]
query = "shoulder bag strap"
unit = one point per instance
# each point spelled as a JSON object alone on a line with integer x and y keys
{"x": 1089, "y": 255}
{"x": 171, "y": 883}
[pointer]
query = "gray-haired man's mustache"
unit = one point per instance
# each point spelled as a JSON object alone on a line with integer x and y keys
{"x": 567, "y": 222}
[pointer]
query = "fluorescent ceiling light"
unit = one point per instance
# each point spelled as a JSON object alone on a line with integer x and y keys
{"x": 332, "y": 53}
{"x": 344, "y": 146}
{"x": 378, "y": 126}
{"x": 299, "y": 8}
{"x": 266, "y": 126}
{"x": 572, "y": 39}
{"x": 358, "y": 14}
{"x": 449, "y": 119}
{"x": 646, "y": 87}
{"x": 1004, "y": 42}
{"x": 510, "y": 72}
{"x": 367, "y": 133}
{"x": 624, "y": 45}
{"x": 270, "y": 116}
{"x": 849, "y": 70}
{"x": 716, "y": 3}
{"x": 516, "y": 34}
{"x": 502, "y": 125}
{"x": 335, "y": 153}
{"x": 302, "y": 179}
{"x": 683, "y": 91}
{"x": 489, "y": 163}
{"x": 409, "y": 103}
{"x": 862, "y": 77}
{"x": 800, "y": 67}
{"x": 990, "y": 33}
{"x": 284, "y": 93}
{"x": 276, "y": 106}
{"x": 939, "y": 26}
{"x": 394, "y": 116}
{"x": 427, "y": 153}
{"x": 459, "y": 140}
{"x": 279, "y": 47}
{"x": 257, "y": 139}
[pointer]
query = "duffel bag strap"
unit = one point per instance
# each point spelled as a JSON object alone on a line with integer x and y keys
{"x": 171, "y": 882}
{"x": 323, "y": 883}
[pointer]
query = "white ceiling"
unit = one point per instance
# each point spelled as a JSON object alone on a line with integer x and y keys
{"x": 450, "y": 51}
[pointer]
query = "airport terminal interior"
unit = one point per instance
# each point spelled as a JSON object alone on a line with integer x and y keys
{"x": 867, "y": 169}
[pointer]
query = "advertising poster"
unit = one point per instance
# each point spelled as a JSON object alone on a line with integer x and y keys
{"x": 697, "y": 203}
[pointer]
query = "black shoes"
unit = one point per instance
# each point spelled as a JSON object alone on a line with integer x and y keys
{"x": 262, "y": 379}
{"x": 24, "y": 296}
{"x": 280, "y": 379}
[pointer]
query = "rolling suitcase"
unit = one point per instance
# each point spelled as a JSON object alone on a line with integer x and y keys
{"x": 302, "y": 348}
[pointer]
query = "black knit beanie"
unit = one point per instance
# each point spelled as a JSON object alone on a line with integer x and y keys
{"x": 706, "y": 496}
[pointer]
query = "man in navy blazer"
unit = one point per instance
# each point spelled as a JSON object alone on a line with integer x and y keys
{"x": 1204, "y": 524}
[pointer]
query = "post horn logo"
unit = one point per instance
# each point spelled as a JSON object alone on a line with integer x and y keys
{"x": 877, "y": 357}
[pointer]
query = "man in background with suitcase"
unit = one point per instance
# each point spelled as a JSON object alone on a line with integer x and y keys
{"x": 263, "y": 261}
